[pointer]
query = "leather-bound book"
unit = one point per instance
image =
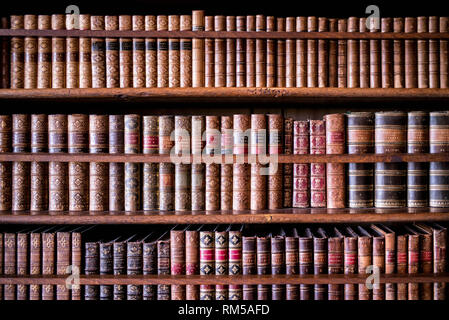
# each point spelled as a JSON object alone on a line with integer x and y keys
{"x": 39, "y": 170}
{"x": 166, "y": 170}
{"x": 149, "y": 266}
{"x": 360, "y": 140}
{"x": 312, "y": 54}
{"x": 177, "y": 262}
{"x": 220, "y": 53}
{"x": 58, "y": 48}
{"x": 221, "y": 261}
{"x": 162, "y": 53}
{"x": 292, "y": 263}
{"x": 185, "y": 44}
{"x": 317, "y": 170}
{"x": 320, "y": 262}
{"x": 132, "y": 170}
{"x": 398, "y": 54}
{"x": 91, "y": 267}
{"x": 275, "y": 146}
{"x": 1, "y": 268}
{"x": 182, "y": 187}
{"x": 17, "y": 54}
{"x": 10, "y": 264}
{"x": 263, "y": 263}
{"x": 250, "y": 53}
{"x": 98, "y": 171}
{"x": 353, "y": 55}
{"x": 390, "y": 178}
{"x": 335, "y": 254}
{"x": 375, "y": 55}
{"x": 350, "y": 262}
{"x": 390, "y": 257}
{"x": 342, "y": 55}
{"x": 192, "y": 262}
{"x": 197, "y": 50}
{"x": 212, "y": 188}
{"x": 401, "y": 262}
{"x": 43, "y": 53}
{"x": 323, "y": 54}
{"x": 20, "y": 170}
{"x": 335, "y": 172}
{"x": 414, "y": 247}
{"x": 30, "y": 53}
{"x": 35, "y": 262}
{"x": 364, "y": 56}
{"x": 378, "y": 262}
{"x": 301, "y": 170}
{"x": 207, "y": 263}
{"x": 306, "y": 262}
{"x": 98, "y": 55}
{"x": 439, "y": 171}
{"x": 106, "y": 267}
{"x": 150, "y": 192}
{"x": 5, "y": 62}
{"x": 48, "y": 262}
{"x": 258, "y": 147}
{"x": 116, "y": 169}
{"x": 444, "y": 64}
{"x": 134, "y": 264}
{"x": 63, "y": 261}
{"x": 183, "y": 130}
{"x": 301, "y": 53}
{"x": 112, "y": 54}
{"x": 270, "y": 53}
{"x": 434, "y": 54}
{"x": 173, "y": 53}
{"x": 290, "y": 54}
{"x": 76, "y": 257}
{"x": 150, "y": 53}
{"x": 365, "y": 259}
{"x": 5, "y": 167}
{"x": 439, "y": 259}
{"x": 417, "y": 172}
{"x": 150, "y": 141}
{"x": 125, "y": 53}
{"x": 386, "y": 49}
{"x": 209, "y": 55}
{"x": 119, "y": 268}
{"x": 22, "y": 263}
{"x": 249, "y": 265}
{"x": 410, "y": 57}
{"x": 85, "y": 67}
{"x": 333, "y": 55}
{"x": 288, "y": 167}
{"x": 241, "y": 171}
{"x": 226, "y": 172}
{"x": 240, "y": 54}
{"x": 261, "y": 54}
{"x": 139, "y": 80}
{"x": 235, "y": 261}
{"x": 230, "y": 53}
{"x": 425, "y": 259}
{"x": 198, "y": 173}
{"x": 423, "y": 53}
{"x": 277, "y": 265}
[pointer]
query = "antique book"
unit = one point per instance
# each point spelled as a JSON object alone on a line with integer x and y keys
{"x": 410, "y": 55}
{"x": 241, "y": 171}
{"x": 17, "y": 54}
{"x": 335, "y": 254}
{"x": 263, "y": 263}
{"x": 149, "y": 266}
{"x": 166, "y": 186}
{"x": 378, "y": 262}
{"x": 250, "y": 53}
{"x": 350, "y": 262}
{"x": 261, "y": 54}
{"x": 439, "y": 171}
{"x": 22, "y": 262}
{"x": 425, "y": 259}
{"x": 230, "y": 53}
{"x": 183, "y": 131}
{"x": 30, "y": 53}
{"x": 185, "y": 44}
{"x": 198, "y": 50}
{"x": 401, "y": 261}
{"x": 290, "y": 54}
{"x": 375, "y": 54}
{"x": 20, "y": 170}
{"x": 139, "y": 79}
{"x": 5, "y": 167}
{"x": 386, "y": 49}
{"x": 227, "y": 147}
{"x": 166, "y": 127}
{"x": 207, "y": 262}
{"x": 192, "y": 254}
{"x": 150, "y": 53}
{"x": 119, "y": 267}
{"x": 58, "y": 48}
{"x": 112, "y": 54}
{"x": 365, "y": 259}
{"x": 5, "y": 62}
{"x": 306, "y": 262}
{"x": 10, "y": 264}
{"x": 219, "y": 53}
{"x": 444, "y": 64}
{"x": 209, "y": 55}
{"x": 63, "y": 261}
{"x": 48, "y": 261}
{"x": 125, "y": 53}
{"x": 364, "y": 55}
{"x": 317, "y": 170}
{"x": 270, "y": 26}
{"x": 39, "y": 170}
{"x": 342, "y": 55}
{"x": 258, "y": 146}
{"x": 173, "y": 53}
{"x": 353, "y": 55}
{"x": 301, "y": 170}
{"x": 183, "y": 194}
{"x": 360, "y": 140}
{"x": 414, "y": 247}
{"x": 132, "y": 170}
{"x": 323, "y": 54}
{"x": 35, "y": 254}
{"x": 434, "y": 54}
{"x": 150, "y": 145}
{"x": 333, "y": 55}
{"x": 390, "y": 178}
{"x": 178, "y": 261}
{"x": 275, "y": 146}
{"x": 1, "y": 270}
{"x": 76, "y": 257}
{"x": 312, "y": 54}
{"x": 106, "y": 267}
{"x": 249, "y": 265}
{"x": 320, "y": 261}
{"x": 221, "y": 260}
{"x": 439, "y": 259}
{"x": 240, "y": 54}
{"x": 423, "y": 53}
{"x": 335, "y": 172}
{"x": 277, "y": 265}
{"x": 134, "y": 266}
{"x": 98, "y": 171}
{"x": 235, "y": 260}
{"x": 398, "y": 55}
{"x": 98, "y": 55}
{"x": 162, "y": 53}
{"x": 198, "y": 169}
{"x": 292, "y": 263}
{"x": 116, "y": 169}
{"x": 85, "y": 67}
{"x": 91, "y": 267}
{"x": 301, "y": 53}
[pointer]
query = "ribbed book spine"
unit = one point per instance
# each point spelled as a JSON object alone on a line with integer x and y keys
{"x": 401, "y": 264}
{"x": 125, "y": 53}
{"x": 241, "y": 174}
{"x": 39, "y": 170}
{"x": 317, "y": 170}
{"x": 1, "y": 267}
{"x": 444, "y": 49}
{"x": 139, "y": 80}
{"x": 439, "y": 261}
{"x": 44, "y": 53}
{"x": 207, "y": 263}
{"x": 335, "y": 254}
{"x": 10, "y": 264}
{"x": 162, "y": 53}
{"x": 342, "y": 55}
{"x": 270, "y": 53}
{"x": 375, "y": 55}
{"x": 58, "y": 61}
{"x": 333, "y": 55}
{"x": 292, "y": 266}
{"x": 240, "y": 53}
{"x": 76, "y": 257}
{"x": 249, "y": 265}
{"x": 91, "y": 267}
{"x": 277, "y": 266}
{"x": 198, "y": 74}
{"x": 301, "y": 173}
{"x": 235, "y": 263}
{"x": 106, "y": 267}
{"x": 305, "y": 266}
{"x": 163, "y": 267}
{"x": 323, "y": 54}
{"x": 423, "y": 54}
{"x": 98, "y": 171}
{"x": 258, "y": 146}
{"x": 150, "y": 53}
{"x": 261, "y": 54}
{"x": 48, "y": 263}
{"x": 173, "y": 53}
{"x": 22, "y": 264}
{"x": 185, "y": 45}
{"x": 410, "y": 57}
{"x": 220, "y": 53}
{"x": 230, "y": 53}
{"x": 263, "y": 263}
{"x": 353, "y": 55}
{"x": 198, "y": 192}
{"x": 30, "y": 53}
{"x": 364, "y": 56}
{"x": 20, "y": 170}
{"x": 119, "y": 267}
{"x": 386, "y": 49}
{"x": 398, "y": 55}
{"x": 63, "y": 261}
{"x": 365, "y": 259}
{"x": 149, "y": 267}
{"x": 183, "y": 129}
{"x": 226, "y": 177}
{"x": 166, "y": 170}
{"x": 150, "y": 145}
{"x": 301, "y": 53}
{"x": 320, "y": 255}
{"x": 250, "y": 53}
{"x": 290, "y": 54}
{"x": 134, "y": 265}
{"x": 132, "y": 170}
{"x": 177, "y": 262}
{"x": 5, "y": 62}
{"x": 85, "y": 67}
{"x": 221, "y": 263}
{"x": 98, "y": 56}
{"x": 35, "y": 263}
{"x": 209, "y": 55}
{"x": 112, "y": 54}
{"x": 379, "y": 262}
{"x": 413, "y": 264}
{"x": 192, "y": 262}
{"x": 434, "y": 54}
{"x": 426, "y": 265}
{"x": 17, "y": 54}
{"x": 312, "y": 54}
{"x": 275, "y": 147}
{"x": 350, "y": 266}
{"x": 116, "y": 170}
{"x": 5, "y": 167}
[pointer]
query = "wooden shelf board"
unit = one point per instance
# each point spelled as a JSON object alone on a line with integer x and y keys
{"x": 318, "y": 215}
{"x": 233, "y": 280}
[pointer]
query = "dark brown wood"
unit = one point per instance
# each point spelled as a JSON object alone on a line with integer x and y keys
{"x": 225, "y": 279}
{"x": 220, "y": 34}
{"x": 296, "y": 215}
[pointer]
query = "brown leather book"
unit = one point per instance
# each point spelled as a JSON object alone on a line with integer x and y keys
{"x": 98, "y": 171}
{"x": 192, "y": 261}
{"x": 301, "y": 171}
{"x": 162, "y": 53}
{"x": 378, "y": 261}
{"x": 98, "y": 54}
{"x": 333, "y": 55}
{"x": 221, "y": 261}
{"x": 353, "y": 55}
{"x": 166, "y": 170}
{"x": 207, "y": 262}
{"x": 178, "y": 261}
{"x": 414, "y": 247}
{"x": 116, "y": 170}
{"x": 258, "y": 146}
{"x": 48, "y": 261}
{"x": 375, "y": 55}
{"x": 183, "y": 131}
{"x": 134, "y": 265}
{"x": 125, "y": 53}
{"x": 290, "y": 54}
{"x": 241, "y": 171}
{"x": 444, "y": 64}
{"x": 198, "y": 75}
{"x": 132, "y": 170}
{"x": 20, "y": 170}
{"x": 35, "y": 262}
{"x": 106, "y": 267}
{"x": 149, "y": 266}
{"x": 230, "y": 53}
{"x": 119, "y": 267}
{"x": 301, "y": 53}
{"x": 386, "y": 49}
{"x": 76, "y": 256}
{"x": 63, "y": 260}
{"x": 270, "y": 53}
{"x": 22, "y": 263}
{"x": 17, "y": 54}
{"x": 425, "y": 259}
{"x": 434, "y": 54}
{"x": 91, "y": 267}
{"x": 30, "y": 53}
{"x": 364, "y": 56}
{"x": 150, "y": 192}
{"x": 401, "y": 261}
{"x": 410, "y": 57}
{"x": 317, "y": 170}
{"x": 323, "y": 54}
{"x": 58, "y": 48}
{"x": 209, "y": 55}
{"x": 139, "y": 79}
{"x": 423, "y": 54}
{"x": 306, "y": 262}
{"x": 250, "y": 53}
{"x": 39, "y": 170}
{"x": 198, "y": 177}
{"x": 292, "y": 263}
{"x": 240, "y": 54}
{"x": 85, "y": 67}
{"x": 5, "y": 62}
{"x": 365, "y": 258}
{"x": 185, "y": 46}
{"x": 226, "y": 175}
{"x": 288, "y": 167}
{"x": 183, "y": 192}
{"x": 350, "y": 262}
{"x": 263, "y": 263}
{"x": 342, "y": 55}
{"x": 277, "y": 265}
{"x": 173, "y": 53}
{"x": 249, "y": 265}
{"x": 398, "y": 55}
{"x": 261, "y": 54}
{"x": 5, "y": 167}
{"x": 320, "y": 261}
{"x": 439, "y": 259}
{"x": 335, "y": 259}
{"x": 10, "y": 264}
{"x": 312, "y": 54}
{"x": 235, "y": 260}
{"x": 112, "y": 54}
{"x": 151, "y": 53}
{"x": 1, "y": 266}
{"x": 212, "y": 188}
{"x": 275, "y": 146}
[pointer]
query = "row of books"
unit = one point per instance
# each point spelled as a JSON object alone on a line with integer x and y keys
{"x": 102, "y": 186}
{"x": 229, "y": 250}
{"x": 85, "y": 62}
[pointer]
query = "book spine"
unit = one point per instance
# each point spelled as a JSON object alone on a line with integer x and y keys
{"x": 390, "y": 264}
{"x": 365, "y": 259}
{"x": 139, "y": 80}
{"x": 76, "y": 254}
{"x": 150, "y": 193}
{"x": 323, "y": 54}
{"x": 241, "y": 174}
{"x": 398, "y": 55}
{"x": 150, "y": 53}
{"x": 10, "y": 264}
{"x": 312, "y": 54}
{"x": 434, "y": 54}
{"x": 275, "y": 146}
{"x": 212, "y": 181}
{"x": 350, "y": 266}
{"x": 277, "y": 266}
{"x": 112, "y": 54}
{"x": 132, "y": 170}
{"x": 63, "y": 261}
{"x": 177, "y": 262}
{"x": 149, "y": 266}
{"x": 342, "y": 55}
{"x": 375, "y": 55}
{"x": 106, "y": 267}
{"x": 5, "y": 167}
{"x": 134, "y": 266}
{"x": 417, "y": 172}
{"x": 249, "y": 265}
{"x": 317, "y": 170}
{"x": 305, "y": 266}
{"x": 209, "y": 56}
{"x": 240, "y": 54}
{"x": 185, "y": 53}
{"x": 5, "y": 58}
{"x": 35, "y": 263}
{"x": 98, "y": 54}
{"x": 125, "y": 53}
{"x": 22, "y": 264}
{"x": 379, "y": 262}
{"x": 320, "y": 266}
{"x": 119, "y": 268}
{"x": 58, "y": 47}
{"x": 263, "y": 263}
{"x": 333, "y": 55}
{"x": 270, "y": 53}
{"x": 413, "y": 264}
{"x": 221, "y": 263}
{"x": 390, "y": 178}
{"x": 335, "y": 172}
{"x": 1, "y": 267}
{"x": 258, "y": 183}
{"x": 410, "y": 58}
{"x": 301, "y": 170}
{"x": 364, "y": 56}
{"x": 116, "y": 170}
{"x": 292, "y": 266}
{"x": 205, "y": 191}
{"x": 207, "y": 263}
{"x": 39, "y": 170}
{"x": 386, "y": 49}
{"x": 290, "y": 54}
{"x": 20, "y": 170}
{"x": 335, "y": 248}
{"x": 98, "y": 171}
{"x": 183, "y": 130}
{"x": 226, "y": 170}
{"x": 401, "y": 265}
{"x": 192, "y": 262}
{"x": 425, "y": 262}
{"x": 423, "y": 54}
{"x": 162, "y": 53}
{"x": 439, "y": 261}
{"x": 85, "y": 67}
{"x": 230, "y": 53}
{"x": 444, "y": 49}
{"x": 250, "y": 53}
{"x": 261, "y": 54}
{"x": 48, "y": 263}
{"x": 198, "y": 75}
{"x": 301, "y": 53}
{"x": 173, "y": 53}
{"x": 30, "y": 53}
{"x": 17, "y": 54}
{"x": 353, "y": 55}
{"x": 235, "y": 263}
{"x": 182, "y": 187}
{"x": 438, "y": 174}
{"x": 220, "y": 53}
{"x": 166, "y": 186}
{"x": 91, "y": 267}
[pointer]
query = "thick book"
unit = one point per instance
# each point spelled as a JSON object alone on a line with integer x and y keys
{"x": 166, "y": 170}
{"x": 35, "y": 262}
{"x": 312, "y": 53}
{"x": 91, "y": 267}
{"x": 240, "y": 53}
{"x": 350, "y": 262}
{"x": 185, "y": 46}
{"x": 317, "y": 170}
{"x": 398, "y": 55}
{"x": 150, "y": 53}
{"x": 301, "y": 171}
{"x": 323, "y": 54}
{"x": 98, "y": 171}
{"x": 134, "y": 266}
{"x": 209, "y": 54}
{"x": 375, "y": 54}
{"x": 58, "y": 48}
{"x": 10, "y": 264}
{"x": 116, "y": 170}
{"x": 139, "y": 79}
{"x": 98, "y": 55}
{"x": 335, "y": 262}
{"x": 290, "y": 54}
{"x": 48, "y": 261}
{"x": 220, "y": 53}
{"x": 125, "y": 53}
{"x": 76, "y": 258}
{"x": 150, "y": 145}
{"x": 261, "y": 54}
{"x": 198, "y": 50}
{"x": 439, "y": 259}
{"x": 178, "y": 261}
{"x": 434, "y": 54}
{"x": 235, "y": 260}
{"x": 414, "y": 247}
{"x": 106, "y": 267}
{"x": 410, "y": 54}
{"x": 192, "y": 253}
{"x": 162, "y": 53}
{"x": 364, "y": 55}
{"x": 183, "y": 194}
{"x": 198, "y": 144}
{"x": 39, "y": 170}
{"x": 378, "y": 262}
{"x": 22, "y": 262}
{"x": 241, "y": 171}
{"x": 278, "y": 265}
{"x": 17, "y": 54}
{"x": 250, "y": 58}
{"x": 364, "y": 258}
{"x": 21, "y": 126}
{"x": 292, "y": 263}
{"x": 149, "y": 267}
{"x": 386, "y": 51}
{"x": 423, "y": 53}
{"x": 258, "y": 181}
{"x": 112, "y": 53}
{"x": 320, "y": 261}
{"x": 249, "y": 259}
{"x": 173, "y": 53}
{"x": 85, "y": 67}
{"x": 30, "y": 53}
{"x": 221, "y": 261}
{"x": 353, "y": 55}
{"x": 306, "y": 262}
{"x": 333, "y": 55}
{"x": 263, "y": 263}
{"x": 119, "y": 267}
{"x": 401, "y": 261}
{"x": 227, "y": 147}
{"x": 342, "y": 55}
{"x": 275, "y": 123}
{"x": 425, "y": 259}
{"x": 207, "y": 262}
{"x": 63, "y": 261}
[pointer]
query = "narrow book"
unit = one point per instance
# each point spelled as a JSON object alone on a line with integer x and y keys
{"x": 230, "y": 53}
{"x": 270, "y": 53}
{"x": 63, "y": 261}
{"x": 125, "y": 53}
{"x": 162, "y": 53}
{"x": 116, "y": 170}
{"x": 185, "y": 45}
{"x": 292, "y": 263}
{"x": 48, "y": 262}
{"x": 353, "y": 55}
{"x": 39, "y": 170}
{"x": 410, "y": 56}
{"x": 261, "y": 54}
{"x": 139, "y": 80}
{"x": 17, "y": 54}
{"x": 58, "y": 48}
{"x": 350, "y": 262}
{"x": 112, "y": 54}
{"x": 423, "y": 53}
{"x": 275, "y": 125}
{"x": 312, "y": 54}
{"x": 263, "y": 262}
{"x": 207, "y": 262}
{"x": 198, "y": 50}
{"x": 163, "y": 266}
{"x": 398, "y": 55}
{"x": 192, "y": 254}
{"x": 98, "y": 55}
{"x": 335, "y": 254}
{"x": 43, "y": 53}
{"x": 306, "y": 262}
{"x": 235, "y": 261}
{"x": 220, "y": 53}
{"x": 290, "y": 54}
{"x": 209, "y": 54}
{"x": 91, "y": 267}
{"x": 173, "y": 53}
{"x": 434, "y": 54}
{"x": 221, "y": 261}
{"x": 249, "y": 265}
{"x": 250, "y": 53}
{"x": 149, "y": 267}
{"x": 226, "y": 176}
{"x": 301, "y": 171}
{"x": 134, "y": 265}
{"x": 132, "y": 170}
{"x": 240, "y": 53}
{"x": 85, "y": 67}
{"x": 150, "y": 53}
{"x": 323, "y": 54}
{"x": 22, "y": 247}
{"x": 178, "y": 261}
{"x": 364, "y": 55}
{"x": 106, "y": 267}
{"x": 386, "y": 49}
{"x": 30, "y": 53}
{"x": 317, "y": 170}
